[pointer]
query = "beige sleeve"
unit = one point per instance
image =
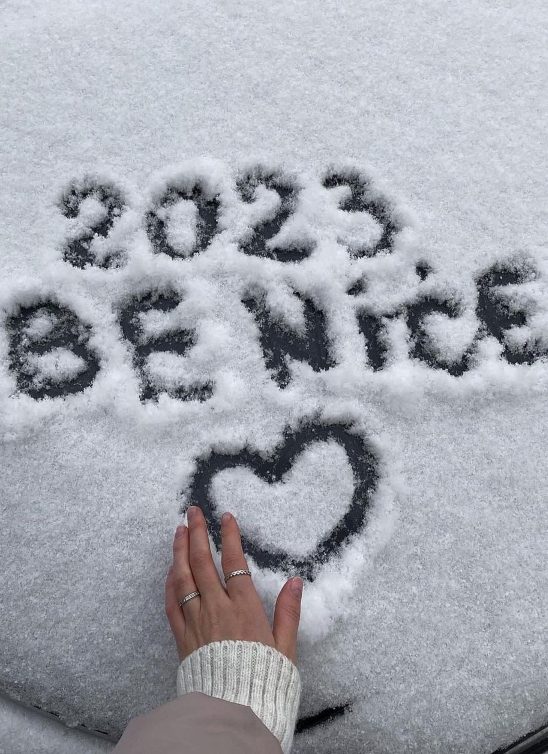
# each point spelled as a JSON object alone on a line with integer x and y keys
{"x": 196, "y": 723}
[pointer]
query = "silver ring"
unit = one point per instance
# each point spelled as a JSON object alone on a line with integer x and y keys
{"x": 189, "y": 597}
{"x": 240, "y": 572}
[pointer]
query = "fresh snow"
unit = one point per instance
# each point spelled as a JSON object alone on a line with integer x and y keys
{"x": 236, "y": 235}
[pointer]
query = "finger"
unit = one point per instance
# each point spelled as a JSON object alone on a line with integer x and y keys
{"x": 201, "y": 563}
{"x": 233, "y": 558}
{"x": 182, "y": 574}
{"x": 287, "y": 615}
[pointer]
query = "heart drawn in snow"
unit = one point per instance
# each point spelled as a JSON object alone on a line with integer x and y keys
{"x": 273, "y": 470}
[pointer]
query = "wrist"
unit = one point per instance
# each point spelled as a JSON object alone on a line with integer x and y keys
{"x": 248, "y": 673}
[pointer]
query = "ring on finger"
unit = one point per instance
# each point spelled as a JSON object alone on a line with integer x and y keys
{"x": 188, "y": 598}
{"x": 239, "y": 572}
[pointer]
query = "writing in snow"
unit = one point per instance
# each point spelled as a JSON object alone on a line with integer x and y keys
{"x": 50, "y": 351}
{"x": 50, "y": 345}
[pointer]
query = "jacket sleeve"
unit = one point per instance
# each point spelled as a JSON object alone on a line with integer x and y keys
{"x": 238, "y": 697}
{"x": 197, "y": 723}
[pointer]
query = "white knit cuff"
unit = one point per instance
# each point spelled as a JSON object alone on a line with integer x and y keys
{"x": 249, "y": 673}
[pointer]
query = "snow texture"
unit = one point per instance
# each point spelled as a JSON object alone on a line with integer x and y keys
{"x": 289, "y": 260}
{"x": 26, "y": 731}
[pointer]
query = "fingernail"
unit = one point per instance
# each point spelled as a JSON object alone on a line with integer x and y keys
{"x": 297, "y": 586}
{"x": 225, "y": 518}
{"x": 192, "y": 513}
{"x": 179, "y": 531}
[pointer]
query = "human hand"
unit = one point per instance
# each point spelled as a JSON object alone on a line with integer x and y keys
{"x": 233, "y": 611}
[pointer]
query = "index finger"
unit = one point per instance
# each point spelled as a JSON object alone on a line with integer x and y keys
{"x": 201, "y": 563}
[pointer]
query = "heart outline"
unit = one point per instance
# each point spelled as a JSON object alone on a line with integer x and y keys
{"x": 364, "y": 464}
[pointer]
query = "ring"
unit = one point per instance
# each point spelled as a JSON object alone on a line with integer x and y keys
{"x": 189, "y": 597}
{"x": 241, "y": 572}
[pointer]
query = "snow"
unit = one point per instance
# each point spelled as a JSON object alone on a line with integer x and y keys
{"x": 57, "y": 364}
{"x": 26, "y": 731}
{"x": 326, "y": 462}
{"x": 191, "y": 191}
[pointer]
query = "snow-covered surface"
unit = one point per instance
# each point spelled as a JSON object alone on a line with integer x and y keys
{"x": 25, "y": 731}
{"x": 430, "y": 619}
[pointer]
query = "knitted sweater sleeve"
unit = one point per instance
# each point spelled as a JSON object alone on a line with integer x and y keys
{"x": 248, "y": 673}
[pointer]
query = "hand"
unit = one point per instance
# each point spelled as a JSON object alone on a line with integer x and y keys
{"x": 234, "y": 611}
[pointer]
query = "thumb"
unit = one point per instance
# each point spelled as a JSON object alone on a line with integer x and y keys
{"x": 286, "y": 618}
